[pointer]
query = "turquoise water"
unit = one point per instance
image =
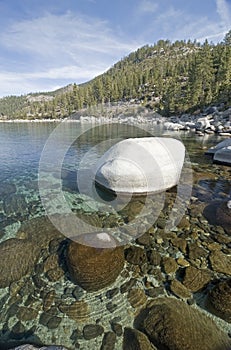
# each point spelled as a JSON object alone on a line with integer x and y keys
{"x": 21, "y": 147}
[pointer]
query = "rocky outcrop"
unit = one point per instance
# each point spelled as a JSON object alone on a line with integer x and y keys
{"x": 97, "y": 266}
{"x": 219, "y": 300}
{"x": 172, "y": 324}
{"x": 141, "y": 165}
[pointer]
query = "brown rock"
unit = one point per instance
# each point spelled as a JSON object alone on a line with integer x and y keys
{"x": 108, "y": 342}
{"x": 51, "y": 262}
{"x": 40, "y": 231}
{"x": 174, "y": 325}
{"x": 48, "y": 300}
{"x": 184, "y": 224}
{"x": 170, "y": 265}
{"x": 223, "y": 216}
{"x": 27, "y": 313}
{"x": 196, "y": 252}
{"x": 182, "y": 262}
{"x": 18, "y": 258}
{"x": 196, "y": 279}
{"x": 137, "y": 297}
{"x": 179, "y": 289}
{"x": 136, "y": 340}
{"x": 94, "y": 268}
{"x": 55, "y": 274}
{"x": 77, "y": 311}
{"x": 219, "y": 300}
{"x": 220, "y": 262}
{"x": 154, "y": 258}
{"x": 180, "y": 243}
{"x": 135, "y": 255}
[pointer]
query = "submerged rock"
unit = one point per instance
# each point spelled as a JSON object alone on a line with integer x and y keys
{"x": 97, "y": 266}
{"x": 219, "y": 146}
{"x": 223, "y": 156}
{"x": 18, "y": 258}
{"x": 175, "y": 325}
{"x": 136, "y": 340}
{"x": 221, "y": 152}
{"x": 223, "y": 216}
{"x": 219, "y": 300}
{"x": 141, "y": 165}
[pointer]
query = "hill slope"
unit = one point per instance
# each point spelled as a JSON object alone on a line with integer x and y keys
{"x": 167, "y": 77}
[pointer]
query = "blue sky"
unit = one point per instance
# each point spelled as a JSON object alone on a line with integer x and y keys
{"x": 48, "y": 44}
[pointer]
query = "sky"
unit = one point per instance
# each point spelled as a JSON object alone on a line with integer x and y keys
{"x": 48, "y": 44}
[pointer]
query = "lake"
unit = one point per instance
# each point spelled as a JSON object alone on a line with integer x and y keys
{"x": 38, "y": 161}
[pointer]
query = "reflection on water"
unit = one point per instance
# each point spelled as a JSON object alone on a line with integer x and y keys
{"x": 41, "y": 304}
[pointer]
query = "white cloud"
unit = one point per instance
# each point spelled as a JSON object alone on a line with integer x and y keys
{"x": 224, "y": 13}
{"x": 69, "y": 46}
{"x": 64, "y": 35}
{"x": 147, "y": 6}
{"x": 178, "y": 23}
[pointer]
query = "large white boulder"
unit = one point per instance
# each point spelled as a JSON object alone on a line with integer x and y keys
{"x": 141, "y": 165}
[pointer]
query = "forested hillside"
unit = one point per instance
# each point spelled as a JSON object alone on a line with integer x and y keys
{"x": 167, "y": 77}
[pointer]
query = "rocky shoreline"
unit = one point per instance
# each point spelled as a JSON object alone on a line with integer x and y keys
{"x": 212, "y": 120}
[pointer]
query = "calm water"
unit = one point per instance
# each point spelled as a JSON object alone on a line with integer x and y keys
{"x": 21, "y": 147}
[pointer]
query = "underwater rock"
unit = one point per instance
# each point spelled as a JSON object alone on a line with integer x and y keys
{"x": 136, "y": 255}
{"x": 40, "y": 231}
{"x": 220, "y": 262}
{"x": 15, "y": 204}
{"x": 196, "y": 279}
{"x": 223, "y": 216}
{"x": 94, "y": 267}
{"x": 18, "y": 258}
{"x": 141, "y": 165}
{"x": 219, "y": 300}
{"x": 108, "y": 342}
{"x": 173, "y": 324}
{"x": 77, "y": 311}
{"x": 136, "y": 340}
{"x": 91, "y": 331}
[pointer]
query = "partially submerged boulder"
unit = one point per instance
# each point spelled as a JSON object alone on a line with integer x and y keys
{"x": 221, "y": 152}
{"x": 219, "y": 146}
{"x": 141, "y": 165}
{"x": 97, "y": 266}
{"x": 223, "y": 156}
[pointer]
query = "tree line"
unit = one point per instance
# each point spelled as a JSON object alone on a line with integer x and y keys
{"x": 170, "y": 78}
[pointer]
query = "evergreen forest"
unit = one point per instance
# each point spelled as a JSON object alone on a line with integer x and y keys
{"x": 167, "y": 77}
